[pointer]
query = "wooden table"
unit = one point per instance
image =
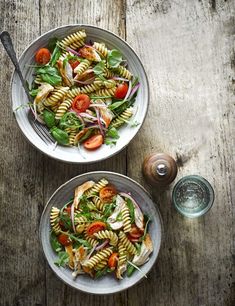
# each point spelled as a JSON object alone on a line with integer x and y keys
{"x": 187, "y": 50}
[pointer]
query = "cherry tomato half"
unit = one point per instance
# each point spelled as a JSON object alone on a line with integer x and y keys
{"x": 94, "y": 142}
{"x": 81, "y": 103}
{"x": 121, "y": 91}
{"x": 74, "y": 63}
{"x": 43, "y": 56}
{"x": 64, "y": 240}
{"x": 113, "y": 260}
{"x": 95, "y": 227}
{"x": 107, "y": 193}
{"x": 135, "y": 232}
{"x": 68, "y": 210}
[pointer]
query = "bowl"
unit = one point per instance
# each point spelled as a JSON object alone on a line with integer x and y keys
{"x": 108, "y": 284}
{"x": 71, "y": 154}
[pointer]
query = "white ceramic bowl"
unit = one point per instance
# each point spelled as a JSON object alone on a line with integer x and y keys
{"x": 107, "y": 284}
{"x": 70, "y": 154}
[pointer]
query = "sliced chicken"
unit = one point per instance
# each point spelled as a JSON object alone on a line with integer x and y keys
{"x": 145, "y": 251}
{"x": 79, "y": 191}
{"x": 139, "y": 217}
{"x": 105, "y": 113}
{"x": 69, "y": 251}
{"x": 79, "y": 256}
{"x": 120, "y": 270}
{"x": 87, "y": 74}
{"x": 90, "y": 53}
{"x": 66, "y": 72}
{"x": 114, "y": 224}
{"x": 43, "y": 92}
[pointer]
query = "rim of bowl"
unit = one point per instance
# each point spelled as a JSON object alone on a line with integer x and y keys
{"x": 121, "y": 176}
{"x": 144, "y": 72}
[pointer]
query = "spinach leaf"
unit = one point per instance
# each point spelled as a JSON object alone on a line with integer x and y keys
{"x": 50, "y": 75}
{"x": 111, "y": 142}
{"x": 114, "y": 58}
{"x": 56, "y": 246}
{"x": 34, "y": 92}
{"x": 147, "y": 220}
{"x": 116, "y": 104}
{"x": 113, "y": 133}
{"x": 99, "y": 68}
{"x": 131, "y": 210}
{"x": 62, "y": 260}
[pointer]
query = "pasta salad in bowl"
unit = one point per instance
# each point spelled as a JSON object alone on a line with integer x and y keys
{"x": 101, "y": 232}
{"x": 88, "y": 88}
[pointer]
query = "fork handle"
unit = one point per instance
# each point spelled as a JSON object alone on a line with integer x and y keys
{"x": 7, "y": 43}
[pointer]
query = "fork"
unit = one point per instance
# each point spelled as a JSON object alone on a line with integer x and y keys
{"x": 39, "y": 128}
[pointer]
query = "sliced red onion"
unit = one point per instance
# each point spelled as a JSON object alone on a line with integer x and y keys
{"x": 101, "y": 246}
{"x": 120, "y": 79}
{"x": 91, "y": 252}
{"x": 85, "y": 115}
{"x": 99, "y": 122}
{"x": 134, "y": 89}
{"x": 72, "y": 217}
{"x": 87, "y": 82}
{"x": 73, "y": 51}
{"x": 128, "y": 91}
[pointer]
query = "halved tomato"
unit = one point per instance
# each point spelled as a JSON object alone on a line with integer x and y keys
{"x": 93, "y": 142}
{"x": 107, "y": 193}
{"x": 64, "y": 240}
{"x": 81, "y": 103}
{"x": 121, "y": 91}
{"x": 74, "y": 63}
{"x": 43, "y": 56}
{"x": 113, "y": 260}
{"x": 95, "y": 227}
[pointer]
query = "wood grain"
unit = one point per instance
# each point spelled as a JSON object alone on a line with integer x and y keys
{"x": 187, "y": 50}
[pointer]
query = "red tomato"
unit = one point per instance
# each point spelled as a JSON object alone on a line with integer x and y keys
{"x": 107, "y": 193}
{"x": 43, "y": 56}
{"x": 95, "y": 227}
{"x": 74, "y": 63}
{"x": 68, "y": 210}
{"x": 113, "y": 260}
{"x": 64, "y": 240}
{"x": 94, "y": 142}
{"x": 121, "y": 91}
{"x": 81, "y": 103}
{"x": 135, "y": 232}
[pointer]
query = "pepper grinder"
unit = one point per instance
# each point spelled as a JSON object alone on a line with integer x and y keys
{"x": 159, "y": 169}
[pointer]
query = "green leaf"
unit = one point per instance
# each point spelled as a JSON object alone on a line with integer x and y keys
{"x": 62, "y": 260}
{"x": 50, "y": 75}
{"x": 113, "y": 133}
{"x": 138, "y": 248}
{"x": 108, "y": 210}
{"x": 34, "y": 92}
{"x": 114, "y": 58}
{"x": 102, "y": 272}
{"x": 131, "y": 210}
{"x": 147, "y": 220}
{"x": 52, "y": 43}
{"x": 55, "y": 56}
{"x": 111, "y": 142}
{"x": 56, "y": 246}
{"x": 130, "y": 270}
{"x": 99, "y": 68}
{"x": 116, "y": 104}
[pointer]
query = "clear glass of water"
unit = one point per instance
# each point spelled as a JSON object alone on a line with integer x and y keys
{"x": 193, "y": 196}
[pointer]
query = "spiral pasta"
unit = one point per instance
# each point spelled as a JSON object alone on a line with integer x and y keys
{"x": 106, "y": 92}
{"x": 82, "y": 67}
{"x": 72, "y": 132}
{"x": 113, "y": 238}
{"x": 91, "y": 87}
{"x": 80, "y": 224}
{"x": 126, "y": 219}
{"x": 64, "y": 106}
{"x": 38, "y": 79}
{"x": 98, "y": 203}
{"x": 56, "y": 96}
{"x": 122, "y": 254}
{"x": 101, "y": 48}
{"x": 54, "y": 220}
{"x": 73, "y": 92}
{"x": 100, "y": 256}
{"x": 109, "y": 83}
{"x": 101, "y": 265}
{"x": 123, "y": 72}
{"x": 126, "y": 243}
{"x": 92, "y": 241}
{"x": 74, "y": 40}
{"x": 108, "y": 73}
{"x": 122, "y": 118}
{"x": 96, "y": 188}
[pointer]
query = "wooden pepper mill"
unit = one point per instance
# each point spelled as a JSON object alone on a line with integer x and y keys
{"x": 159, "y": 169}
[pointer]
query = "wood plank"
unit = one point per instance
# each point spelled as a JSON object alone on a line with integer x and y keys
{"x": 187, "y": 49}
{"x": 109, "y": 15}
{"x": 22, "y": 267}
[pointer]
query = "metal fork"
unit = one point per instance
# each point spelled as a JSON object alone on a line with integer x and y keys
{"x": 39, "y": 128}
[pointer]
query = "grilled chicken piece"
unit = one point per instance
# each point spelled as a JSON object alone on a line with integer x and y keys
{"x": 145, "y": 251}
{"x": 79, "y": 256}
{"x": 120, "y": 270}
{"x": 90, "y": 53}
{"x": 115, "y": 225}
{"x": 87, "y": 74}
{"x": 66, "y": 72}
{"x": 105, "y": 113}
{"x": 44, "y": 91}
{"x": 139, "y": 217}
{"x": 79, "y": 191}
{"x": 69, "y": 251}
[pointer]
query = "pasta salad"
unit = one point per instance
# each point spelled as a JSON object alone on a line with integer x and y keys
{"x": 100, "y": 231}
{"x": 82, "y": 91}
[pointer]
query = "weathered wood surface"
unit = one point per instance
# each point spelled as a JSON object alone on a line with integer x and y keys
{"x": 187, "y": 49}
